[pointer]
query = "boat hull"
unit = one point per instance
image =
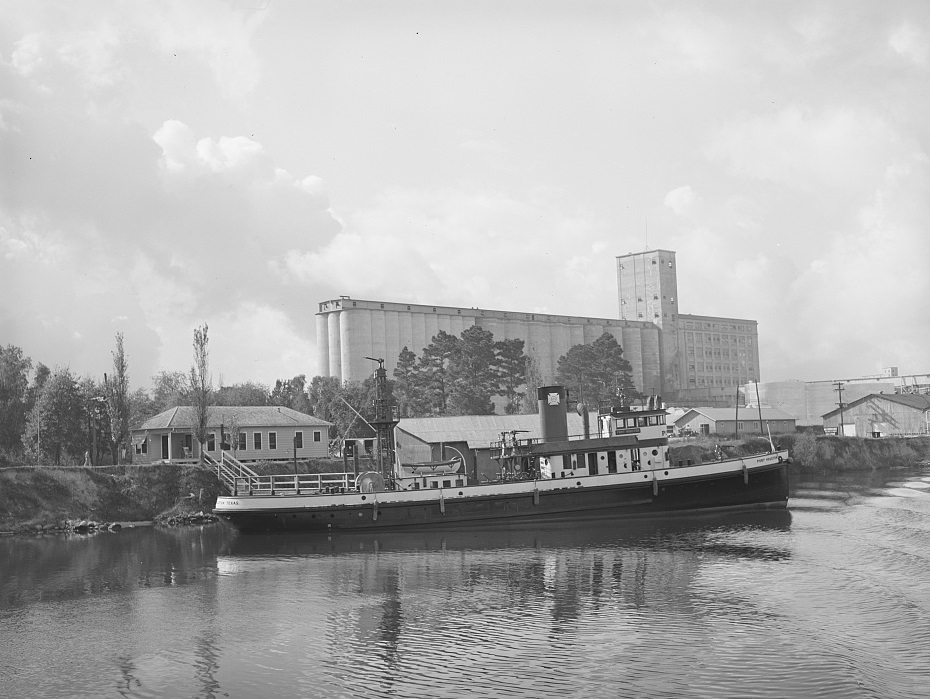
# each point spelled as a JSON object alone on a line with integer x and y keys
{"x": 756, "y": 483}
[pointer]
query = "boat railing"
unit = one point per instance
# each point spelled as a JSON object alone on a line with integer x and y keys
{"x": 294, "y": 484}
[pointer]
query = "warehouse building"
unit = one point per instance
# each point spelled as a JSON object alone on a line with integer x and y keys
{"x": 881, "y": 415}
{"x": 693, "y": 358}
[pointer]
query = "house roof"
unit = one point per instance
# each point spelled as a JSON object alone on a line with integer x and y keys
{"x": 182, "y": 417}
{"x": 478, "y": 431}
{"x": 918, "y": 401}
{"x": 718, "y": 414}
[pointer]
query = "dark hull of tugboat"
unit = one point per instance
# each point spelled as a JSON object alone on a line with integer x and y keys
{"x": 566, "y": 501}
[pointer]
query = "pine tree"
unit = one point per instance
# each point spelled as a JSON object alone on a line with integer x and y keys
{"x": 434, "y": 366}
{"x": 511, "y": 368}
{"x": 595, "y": 372}
{"x": 473, "y": 373}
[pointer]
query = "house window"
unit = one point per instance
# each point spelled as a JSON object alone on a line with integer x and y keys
{"x": 242, "y": 441}
{"x": 317, "y": 435}
{"x": 211, "y": 441}
{"x": 299, "y": 440}
{"x": 272, "y": 440}
{"x": 257, "y": 440}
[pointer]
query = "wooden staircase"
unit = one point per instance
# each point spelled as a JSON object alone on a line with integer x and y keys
{"x": 231, "y": 472}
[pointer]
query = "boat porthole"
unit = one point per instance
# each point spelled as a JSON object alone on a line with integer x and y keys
{"x": 655, "y": 452}
{"x": 364, "y": 497}
{"x": 460, "y": 492}
{"x": 645, "y": 475}
{"x": 666, "y": 473}
{"x": 649, "y": 462}
{"x": 577, "y": 482}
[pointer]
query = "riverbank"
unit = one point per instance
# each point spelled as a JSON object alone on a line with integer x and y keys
{"x": 47, "y": 499}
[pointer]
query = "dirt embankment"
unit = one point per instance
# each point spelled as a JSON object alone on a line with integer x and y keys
{"x": 817, "y": 452}
{"x": 32, "y": 498}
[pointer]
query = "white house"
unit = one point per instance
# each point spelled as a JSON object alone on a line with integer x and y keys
{"x": 253, "y": 433}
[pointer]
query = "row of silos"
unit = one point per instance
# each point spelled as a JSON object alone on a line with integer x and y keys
{"x": 349, "y": 333}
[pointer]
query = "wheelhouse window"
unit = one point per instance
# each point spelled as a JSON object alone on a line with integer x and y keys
{"x": 272, "y": 440}
{"x": 257, "y": 440}
{"x": 299, "y": 440}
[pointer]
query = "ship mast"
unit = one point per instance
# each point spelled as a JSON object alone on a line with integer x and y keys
{"x": 386, "y": 419}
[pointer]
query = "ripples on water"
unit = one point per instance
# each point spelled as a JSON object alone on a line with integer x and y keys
{"x": 829, "y": 599}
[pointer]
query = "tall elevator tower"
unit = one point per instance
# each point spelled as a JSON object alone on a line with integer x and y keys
{"x": 647, "y": 290}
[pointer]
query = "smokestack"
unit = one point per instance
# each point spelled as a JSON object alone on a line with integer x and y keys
{"x": 553, "y": 412}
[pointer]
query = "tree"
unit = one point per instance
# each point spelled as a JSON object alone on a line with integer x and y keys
{"x": 201, "y": 386}
{"x": 248, "y": 393}
{"x": 96, "y": 420}
{"x": 323, "y": 395}
{"x": 434, "y": 367}
{"x": 408, "y": 386}
{"x": 141, "y": 407}
{"x": 292, "y": 393}
{"x": 14, "y": 382}
{"x": 55, "y": 428}
{"x": 170, "y": 389}
{"x": 473, "y": 373}
{"x": 117, "y": 394}
{"x": 534, "y": 379}
{"x": 511, "y": 368}
{"x": 596, "y": 372}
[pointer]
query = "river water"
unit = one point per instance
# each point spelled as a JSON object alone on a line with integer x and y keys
{"x": 830, "y": 599}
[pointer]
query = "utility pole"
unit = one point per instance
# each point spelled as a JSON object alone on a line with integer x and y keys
{"x": 839, "y": 390}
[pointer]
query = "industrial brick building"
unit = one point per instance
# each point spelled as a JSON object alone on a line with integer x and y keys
{"x": 694, "y": 358}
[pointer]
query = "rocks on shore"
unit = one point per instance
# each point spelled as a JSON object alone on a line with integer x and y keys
{"x": 181, "y": 520}
{"x": 90, "y": 526}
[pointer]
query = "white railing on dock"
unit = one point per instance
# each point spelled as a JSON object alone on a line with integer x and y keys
{"x": 302, "y": 483}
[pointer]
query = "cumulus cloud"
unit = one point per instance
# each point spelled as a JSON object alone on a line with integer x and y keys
{"x": 805, "y": 148}
{"x": 681, "y": 200}
{"x": 468, "y": 247}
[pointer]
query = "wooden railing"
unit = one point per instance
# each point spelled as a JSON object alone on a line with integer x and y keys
{"x": 303, "y": 483}
{"x": 229, "y": 470}
{"x": 239, "y": 479}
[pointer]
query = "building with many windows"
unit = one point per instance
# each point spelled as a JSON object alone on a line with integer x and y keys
{"x": 694, "y": 358}
{"x": 252, "y": 433}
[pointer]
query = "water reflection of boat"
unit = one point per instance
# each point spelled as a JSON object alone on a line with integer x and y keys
{"x": 624, "y": 470}
{"x": 667, "y": 532}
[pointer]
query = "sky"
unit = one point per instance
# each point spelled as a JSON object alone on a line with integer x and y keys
{"x": 230, "y": 162}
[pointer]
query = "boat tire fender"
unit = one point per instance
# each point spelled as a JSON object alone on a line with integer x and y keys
{"x": 780, "y": 459}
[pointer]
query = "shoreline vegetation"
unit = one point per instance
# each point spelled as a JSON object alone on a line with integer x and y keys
{"x": 56, "y": 500}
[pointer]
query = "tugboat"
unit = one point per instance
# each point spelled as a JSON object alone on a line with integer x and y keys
{"x": 622, "y": 471}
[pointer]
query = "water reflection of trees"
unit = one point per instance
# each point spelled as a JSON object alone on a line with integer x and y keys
{"x": 69, "y": 567}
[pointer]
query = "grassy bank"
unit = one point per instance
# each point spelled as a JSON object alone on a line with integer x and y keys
{"x": 817, "y": 452}
{"x": 47, "y": 497}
